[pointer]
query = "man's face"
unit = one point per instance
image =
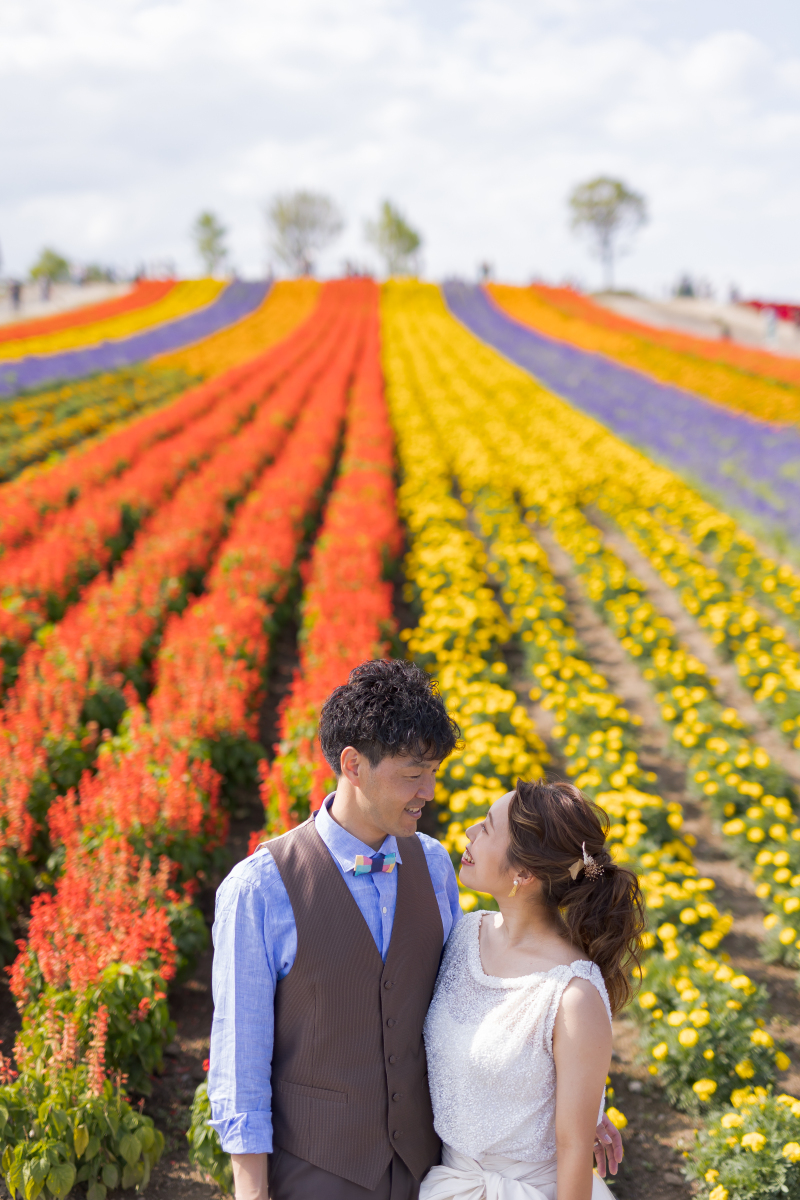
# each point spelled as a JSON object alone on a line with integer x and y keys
{"x": 391, "y": 795}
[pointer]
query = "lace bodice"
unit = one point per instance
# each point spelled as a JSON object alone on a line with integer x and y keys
{"x": 489, "y": 1043}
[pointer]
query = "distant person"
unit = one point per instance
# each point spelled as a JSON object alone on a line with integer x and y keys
{"x": 16, "y": 294}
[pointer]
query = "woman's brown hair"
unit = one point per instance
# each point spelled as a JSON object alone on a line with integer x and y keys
{"x": 604, "y": 915}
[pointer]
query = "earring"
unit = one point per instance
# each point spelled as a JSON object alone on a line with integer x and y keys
{"x": 513, "y": 891}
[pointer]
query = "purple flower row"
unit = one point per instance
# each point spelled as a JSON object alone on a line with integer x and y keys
{"x": 236, "y": 301}
{"x": 744, "y": 465}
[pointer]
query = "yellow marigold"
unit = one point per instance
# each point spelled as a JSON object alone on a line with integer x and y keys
{"x": 731, "y": 1120}
{"x": 791, "y": 1151}
{"x": 616, "y": 1117}
{"x": 676, "y": 1018}
{"x": 719, "y": 1193}
{"x": 745, "y": 1069}
{"x": 711, "y": 1175}
{"x": 704, "y": 1088}
{"x": 648, "y": 1000}
{"x": 782, "y": 1061}
{"x": 754, "y": 1141}
{"x": 688, "y": 1037}
{"x": 760, "y": 1037}
{"x": 660, "y": 1051}
{"x": 699, "y": 1017}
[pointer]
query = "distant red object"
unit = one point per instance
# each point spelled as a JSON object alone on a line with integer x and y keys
{"x": 786, "y": 312}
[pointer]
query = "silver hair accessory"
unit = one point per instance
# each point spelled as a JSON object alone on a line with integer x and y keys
{"x": 589, "y": 865}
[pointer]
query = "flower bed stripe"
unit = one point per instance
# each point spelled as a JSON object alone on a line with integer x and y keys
{"x": 180, "y": 300}
{"x": 141, "y": 295}
{"x": 703, "y": 1025}
{"x": 347, "y": 602}
{"x": 27, "y": 501}
{"x": 751, "y": 465}
{"x": 288, "y": 303}
{"x": 753, "y": 381}
{"x": 92, "y": 974}
{"x": 237, "y": 301}
{"x": 37, "y": 426}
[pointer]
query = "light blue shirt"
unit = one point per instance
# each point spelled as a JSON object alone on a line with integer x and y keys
{"x": 255, "y": 944}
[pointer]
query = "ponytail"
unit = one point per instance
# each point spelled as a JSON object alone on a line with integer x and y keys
{"x": 559, "y": 836}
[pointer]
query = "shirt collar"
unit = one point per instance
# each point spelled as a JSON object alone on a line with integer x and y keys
{"x": 342, "y": 845}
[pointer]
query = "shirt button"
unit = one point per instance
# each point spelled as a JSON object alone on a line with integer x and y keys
{"x": 397, "y": 1096}
{"x": 392, "y": 1058}
{"x": 391, "y": 1022}
{"x": 397, "y": 1133}
{"x": 388, "y": 983}
{"x": 386, "y": 910}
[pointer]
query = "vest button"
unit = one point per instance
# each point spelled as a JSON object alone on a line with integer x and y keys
{"x": 392, "y": 1059}
{"x": 398, "y": 1133}
{"x": 388, "y": 983}
{"x": 391, "y": 1022}
{"x": 397, "y": 1096}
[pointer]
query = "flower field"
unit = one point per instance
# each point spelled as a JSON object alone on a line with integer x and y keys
{"x": 300, "y": 466}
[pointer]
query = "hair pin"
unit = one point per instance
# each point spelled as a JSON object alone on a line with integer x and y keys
{"x": 589, "y": 865}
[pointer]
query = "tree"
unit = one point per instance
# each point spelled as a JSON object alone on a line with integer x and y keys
{"x": 303, "y": 223}
{"x": 209, "y": 238}
{"x": 50, "y": 266}
{"x": 607, "y": 209}
{"x": 394, "y": 239}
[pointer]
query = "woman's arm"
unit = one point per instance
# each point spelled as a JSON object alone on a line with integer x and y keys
{"x": 582, "y": 1053}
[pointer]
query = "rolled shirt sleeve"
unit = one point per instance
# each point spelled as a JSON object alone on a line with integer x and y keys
{"x": 255, "y": 944}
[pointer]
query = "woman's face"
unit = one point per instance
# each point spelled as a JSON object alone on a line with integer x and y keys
{"x": 484, "y": 864}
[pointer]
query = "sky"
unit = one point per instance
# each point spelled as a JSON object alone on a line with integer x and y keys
{"x": 121, "y": 120}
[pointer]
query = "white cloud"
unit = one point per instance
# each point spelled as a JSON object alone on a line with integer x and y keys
{"x": 120, "y": 121}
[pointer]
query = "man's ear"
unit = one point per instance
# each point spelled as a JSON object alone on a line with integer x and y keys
{"x": 351, "y": 762}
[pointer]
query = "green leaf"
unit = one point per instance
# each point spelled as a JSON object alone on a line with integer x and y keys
{"x": 130, "y": 1148}
{"x": 131, "y": 1176}
{"x": 39, "y": 1168}
{"x": 61, "y": 1119}
{"x": 96, "y": 1191}
{"x": 32, "y": 1188}
{"x": 8, "y": 1158}
{"x": 3, "y": 1117}
{"x": 146, "y": 1136}
{"x": 61, "y": 1179}
{"x": 92, "y": 1148}
{"x": 14, "y": 1178}
{"x": 81, "y": 1139}
{"x": 110, "y": 1175}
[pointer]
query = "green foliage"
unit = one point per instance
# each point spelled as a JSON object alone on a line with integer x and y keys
{"x": 303, "y": 223}
{"x": 606, "y": 208}
{"x": 205, "y": 1150}
{"x": 50, "y": 265}
{"x": 209, "y": 237}
{"x": 750, "y": 1151}
{"x": 395, "y": 240}
{"x": 138, "y": 1022}
{"x": 55, "y": 1135}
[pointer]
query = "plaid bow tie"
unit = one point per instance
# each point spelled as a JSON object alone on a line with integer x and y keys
{"x": 373, "y": 866}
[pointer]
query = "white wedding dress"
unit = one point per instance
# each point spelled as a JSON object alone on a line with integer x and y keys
{"x": 492, "y": 1077}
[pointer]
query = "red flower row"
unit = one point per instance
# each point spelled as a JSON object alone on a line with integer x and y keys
{"x": 111, "y": 933}
{"x": 108, "y": 630}
{"x": 347, "y": 608}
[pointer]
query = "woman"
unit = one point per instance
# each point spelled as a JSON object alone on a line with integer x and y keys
{"x": 518, "y": 1035}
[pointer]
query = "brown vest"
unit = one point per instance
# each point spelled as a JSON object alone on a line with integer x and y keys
{"x": 349, "y": 1076}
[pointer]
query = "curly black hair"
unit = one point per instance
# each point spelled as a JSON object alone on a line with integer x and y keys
{"x": 387, "y": 707}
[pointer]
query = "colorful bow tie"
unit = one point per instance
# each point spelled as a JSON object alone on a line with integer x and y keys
{"x": 372, "y": 866}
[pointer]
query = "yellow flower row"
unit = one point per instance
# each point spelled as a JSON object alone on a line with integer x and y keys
{"x": 448, "y": 382}
{"x": 461, "y": 628}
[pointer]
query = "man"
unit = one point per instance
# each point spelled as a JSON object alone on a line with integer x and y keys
{"x": 327, "y": 946}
